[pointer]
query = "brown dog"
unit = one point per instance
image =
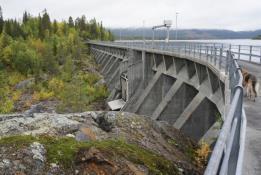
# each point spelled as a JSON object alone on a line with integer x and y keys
{"x": 250, "y": 83}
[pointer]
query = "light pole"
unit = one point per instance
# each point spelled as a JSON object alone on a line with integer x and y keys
{"x": 177, "y": 25}
{"x": 143, "y": 32}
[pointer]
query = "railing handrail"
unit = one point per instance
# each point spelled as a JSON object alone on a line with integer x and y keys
{"x": 251, "y": 53}
{"x": 227, "y": 155}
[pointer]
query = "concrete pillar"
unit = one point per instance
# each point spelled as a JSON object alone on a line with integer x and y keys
{"x": 134, "y": 71}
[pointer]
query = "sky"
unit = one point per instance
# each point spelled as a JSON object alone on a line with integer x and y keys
{"x": 201, "y": 14}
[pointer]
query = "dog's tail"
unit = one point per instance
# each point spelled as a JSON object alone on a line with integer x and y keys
{"x": 257, "y": 89}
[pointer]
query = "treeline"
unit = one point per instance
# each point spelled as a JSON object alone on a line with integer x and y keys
{"x": 50, "y": 52}
{"x": 37, "y": 44}
{"x": 42, "y": 27}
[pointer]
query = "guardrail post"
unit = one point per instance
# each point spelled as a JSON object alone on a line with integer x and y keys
{"x": 194, "y": 50}
{"x": 220, "y": 58}
{"x": 207, "y": 53}
{"x": 185, "y": 48}
{"x": 260, "y": 56}
{"x": 189, "y": 48}
{"x": 250, "y": 53}
{"x": 200, "y": 51}
{"x": 239, "y": 50}
{"x": 215, "y": 51}
{"x": 227, "y": 62}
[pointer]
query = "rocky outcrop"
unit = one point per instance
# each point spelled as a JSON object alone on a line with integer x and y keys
{"x": 158, "y": 137}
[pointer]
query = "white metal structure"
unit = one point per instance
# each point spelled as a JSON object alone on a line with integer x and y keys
{"x": 167, "y": 24}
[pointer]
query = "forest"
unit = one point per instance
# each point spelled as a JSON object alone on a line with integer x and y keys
{"x": 44, "y": 60}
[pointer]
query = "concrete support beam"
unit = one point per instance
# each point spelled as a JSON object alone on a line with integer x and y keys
{"x": 147, "y": 91}
{"x": 172, "y": 91}
{"x": 101, "y": 57}
{"x": 97, "y": 53}
{"x": 191, "y": 69}
{"x": 111, "y": 66}
{"x": 189, "y": 110}
{"x": 116, "y": 73}
{"x": 105, "y": 60}
{"x": 107, "y": 64}
{"x": 168, "y": 60}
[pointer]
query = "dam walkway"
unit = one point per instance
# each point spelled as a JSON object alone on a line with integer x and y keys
{"x": 252, "y": 157}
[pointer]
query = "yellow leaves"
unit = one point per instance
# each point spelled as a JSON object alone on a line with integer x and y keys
{"x": 16, "y": 95}
{"x": 202, "y": 154}
{"x": 14, "y": 78}
{"x": 7, "y": 55}
{"x": 90, "y": 90}
{"x": 38, "y": 45}
{"x": 7, "y": 106}
{"x": 56, "y": 85}
{"x": 42, "y": 95}
{"x": 6, "y": 103}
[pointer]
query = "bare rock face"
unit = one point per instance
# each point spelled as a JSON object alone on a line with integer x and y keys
{"x": 29, "y": 160}
{"x": 43, "y": 123}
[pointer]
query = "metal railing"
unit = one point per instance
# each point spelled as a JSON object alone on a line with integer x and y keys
{"x": 241, "y": 52}
{"x": 227, "y": 155}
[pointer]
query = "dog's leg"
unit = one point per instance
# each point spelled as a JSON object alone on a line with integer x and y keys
{"x": 257, "y": 88}
{"x": 247, "y": 91}
{"x": 252, "y": 92}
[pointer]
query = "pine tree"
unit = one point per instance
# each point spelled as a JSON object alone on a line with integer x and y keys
{"x": 70, "y": 22}
{"x": 55, "y": 26}
{"x": 1, "y": 20}
{"x": 102, "y": 32}
{"x": 45, "y": 24}
{"x": 25, "y": 17}
{"x": 7, "y": 28}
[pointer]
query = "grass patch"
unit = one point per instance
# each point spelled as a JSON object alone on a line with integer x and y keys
{"x": 63, "y": 151}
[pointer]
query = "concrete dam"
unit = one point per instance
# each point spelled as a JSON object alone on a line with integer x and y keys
{"x": 180, "y": 87}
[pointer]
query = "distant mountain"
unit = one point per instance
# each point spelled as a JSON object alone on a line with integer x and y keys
{"x": 137, "y": 33}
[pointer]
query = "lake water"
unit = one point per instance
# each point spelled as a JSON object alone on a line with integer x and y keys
{"x": 225, "y": 41}
{"x": 229, "y": 41}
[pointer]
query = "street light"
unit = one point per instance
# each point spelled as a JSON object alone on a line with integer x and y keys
{"x": 177, "y": 25}
{"x": 143, "y": 32}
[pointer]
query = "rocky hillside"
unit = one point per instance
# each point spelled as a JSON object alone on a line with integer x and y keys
{"x": 101, "y": 143}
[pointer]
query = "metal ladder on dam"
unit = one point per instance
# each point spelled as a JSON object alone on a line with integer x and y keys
{"x": 127, "y": 60}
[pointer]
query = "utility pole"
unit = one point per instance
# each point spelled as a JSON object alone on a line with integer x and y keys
{"x": 177, "y": 25}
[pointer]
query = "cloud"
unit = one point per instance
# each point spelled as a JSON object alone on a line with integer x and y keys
{"x": 221, "y": 14}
